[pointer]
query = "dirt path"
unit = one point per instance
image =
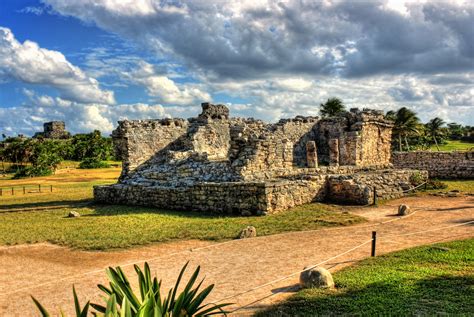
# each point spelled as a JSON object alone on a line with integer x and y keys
{"x": 48, "y": 271}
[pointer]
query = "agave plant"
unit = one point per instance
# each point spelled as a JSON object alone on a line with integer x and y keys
{"x": 120, "y": 299}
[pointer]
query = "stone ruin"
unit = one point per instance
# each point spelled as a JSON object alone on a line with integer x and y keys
{"x": 246, "y": 166}
{"x": 53, "y": 130}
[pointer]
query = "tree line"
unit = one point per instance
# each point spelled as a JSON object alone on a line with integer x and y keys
{"x": 409, "y": 133}
{"x": 41, "y": 156}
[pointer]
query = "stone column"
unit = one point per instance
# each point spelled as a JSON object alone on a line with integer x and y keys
{"x": 333, "y": 152}
{"x": 311, "y": 154}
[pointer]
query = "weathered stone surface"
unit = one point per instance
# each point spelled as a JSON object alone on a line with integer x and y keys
{"x": 404, "y": 210}
{"x": 357, "y": 188}
{"x": 311, "y": 154}
{"x": 245, "y": 166}
{"x": 73, "y": 214}
{"x": 53, "y": 130}
{"x": 248, "y": 232}
{"x": 215, "y": 112}
{"x": 333, "y": 152}
{"x": 438, "y": 164}
{"x": 317, "y": 277}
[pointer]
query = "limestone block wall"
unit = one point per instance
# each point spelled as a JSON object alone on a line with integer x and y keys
{"x": 438, "y": 164}
{"x": 138, "y": 141}
{"x": 228, "y": 198}
{"x": 261, "y": 197}
{"x": 364, "y": 138}
{"x": 282, "y": 146}
{"x": 358, "y": 188}
{"x": 375, "y": 144}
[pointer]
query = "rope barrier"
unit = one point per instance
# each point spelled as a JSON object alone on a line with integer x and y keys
{"x": 431, "y": 230}
{"x": 299, "y": 272}
{"x": 414, "y": 188}
{"x": 290, "y": 275}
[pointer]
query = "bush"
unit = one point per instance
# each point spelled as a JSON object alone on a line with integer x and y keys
{"x": 93, "y": 163}
{"x": 33, "y": 171}
{"x": 417, "y": 179}
{"x": 435, "y": 184}
{"x": 120, "y": 299}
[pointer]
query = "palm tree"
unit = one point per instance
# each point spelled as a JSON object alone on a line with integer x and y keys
{"x": 434, "y": 128}
{"x": 391, "y": 115}
{"x": 332, "y": 107}
{"x": 406, "y": 123}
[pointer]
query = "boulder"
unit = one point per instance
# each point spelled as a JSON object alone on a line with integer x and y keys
{"x": 249, "y": 232}
{"x": 317, "y": 277}
{"x": 73, "y": 214}
{"x": 404, "y": 210}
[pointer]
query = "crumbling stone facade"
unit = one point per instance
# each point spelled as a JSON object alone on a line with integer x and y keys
{"x": 217, "y": 163}
{"x": 53, "y": 130}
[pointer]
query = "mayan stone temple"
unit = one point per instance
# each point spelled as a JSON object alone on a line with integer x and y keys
{"x": 246, "y": 166}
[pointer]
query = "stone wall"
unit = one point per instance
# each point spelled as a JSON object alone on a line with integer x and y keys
{"x": 261, "y": 197}
{"x": 138, "y": 141}
{"x": 53, "y": 130}
{"x": 216, "y": 163}
{"x": 358, "y": 188}
{"x": 251, "y": 148}
{"x": 244, "y": 198}
{"x": 438, "y": 164}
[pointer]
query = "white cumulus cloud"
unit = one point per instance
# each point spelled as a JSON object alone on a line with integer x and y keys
{"x": 28, "y": 63}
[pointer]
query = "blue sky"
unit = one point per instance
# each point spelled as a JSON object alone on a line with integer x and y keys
{"x": 91, "y": 63}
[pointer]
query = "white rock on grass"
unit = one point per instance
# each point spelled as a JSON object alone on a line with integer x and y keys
{"x": 73, "y": 214}
{"x": 317, "y": 277}
{"x": 249, "y": 232}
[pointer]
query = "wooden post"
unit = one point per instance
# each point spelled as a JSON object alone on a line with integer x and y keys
{"x": 374, "y": 242}
{"x": 24, "y": 191}
{"x": 426, "y": 186}
{"x": 51, "y": 187}
{"x": 375, "y": 196}
{"x": 1, "y": 191}
{"x": 13, "y": 191}
{"x": 39, "y": 188}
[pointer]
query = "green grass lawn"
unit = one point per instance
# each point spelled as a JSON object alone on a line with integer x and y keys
{"x": 466, "y": 186}
{"x": 426, "y": 281}
{"x": 107, "y": 226}
{"x": 453, "y": 145}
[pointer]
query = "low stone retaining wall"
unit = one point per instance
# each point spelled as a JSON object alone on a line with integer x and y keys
{"x": 263, "y": 197}
{"x": 230, "y": 198}
{"x": 359, "y": 188}
{"x": 438, "y": 164}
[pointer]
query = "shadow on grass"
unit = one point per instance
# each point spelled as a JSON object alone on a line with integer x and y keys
{"x": 101, "y": 210}
{"x": 426, "y": 297}
{"x": 47, "y": 204}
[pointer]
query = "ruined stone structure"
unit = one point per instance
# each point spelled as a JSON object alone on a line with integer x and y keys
{"x": 235, "y": 165}
{"x": 438, "y": 164}
{"x": 53, "y": 130}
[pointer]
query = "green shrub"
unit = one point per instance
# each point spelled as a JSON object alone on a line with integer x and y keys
{"x": 93, "y": 163}
{"x": 33, "y": 171}
{"x": 417, "y": 178}
{"x": 120, "y": 299}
